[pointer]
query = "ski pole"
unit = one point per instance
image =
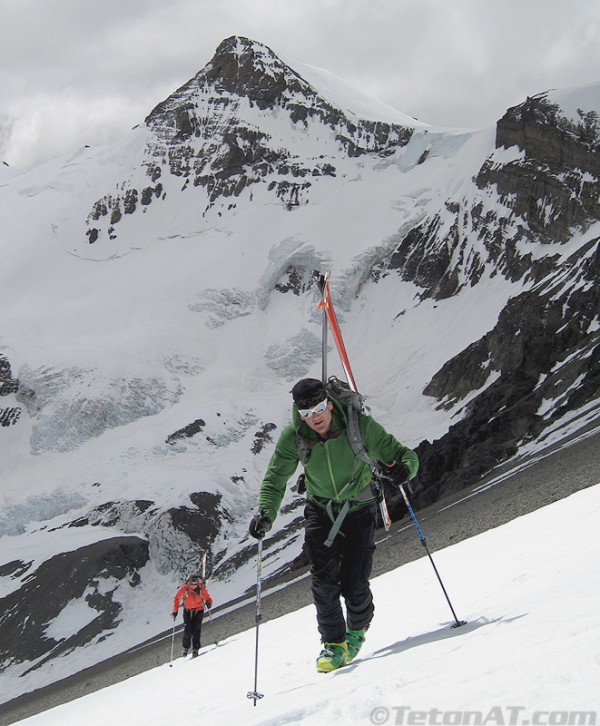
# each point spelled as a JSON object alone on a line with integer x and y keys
{"x": 172, "y": 643}
{"x": 457, "y": 622}
{"x": 255, "y": 695}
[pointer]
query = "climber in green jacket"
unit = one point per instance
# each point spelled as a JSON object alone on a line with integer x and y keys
{"x": 341, "y": 511}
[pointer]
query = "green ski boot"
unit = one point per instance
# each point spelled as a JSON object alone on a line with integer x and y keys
{"x": 332, "y": 657}
{"x": 354, "y": 641}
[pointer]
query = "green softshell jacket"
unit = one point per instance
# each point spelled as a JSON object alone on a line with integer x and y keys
{"x": 332, "y": 472}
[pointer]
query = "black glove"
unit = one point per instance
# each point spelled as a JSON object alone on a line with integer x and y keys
{"x": 396, "y": 472}
{"x": 260, "y": 524}
{"x": 174, "y": 614}
{"x": 399, "y": 475}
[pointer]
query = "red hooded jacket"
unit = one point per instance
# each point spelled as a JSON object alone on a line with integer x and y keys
{"x": 193, "y": 598}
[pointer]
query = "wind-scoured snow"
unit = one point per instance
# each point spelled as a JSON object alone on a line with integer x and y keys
{"x": 349, "y": 99}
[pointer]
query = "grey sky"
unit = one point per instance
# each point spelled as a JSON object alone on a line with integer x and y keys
{"x": 75, "y": 72}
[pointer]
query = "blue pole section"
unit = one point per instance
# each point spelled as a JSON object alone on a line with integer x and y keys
{"x": 457, "y": 623}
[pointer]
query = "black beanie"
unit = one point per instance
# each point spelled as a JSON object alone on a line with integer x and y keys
{"x": 308, "y": 392}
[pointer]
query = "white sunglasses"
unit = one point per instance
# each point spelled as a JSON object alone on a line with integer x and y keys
{"x": 319, "y": 408}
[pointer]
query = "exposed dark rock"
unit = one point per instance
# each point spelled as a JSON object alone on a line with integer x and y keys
{"x": 14, "y": 569}
{"x": 503, "y": 417}
{"x": 427, "y": 259}
{"x": 129, "y": 202}
{"x": 187, "y": 431}
{"x": 278, "y": 541}
{"x": 176, "y": 535}
{"x": 556, "y": 186}
{"x": 112, "y": 514}
{"x": 115, "y": 215}
{"x": 297, "y": 280}
{"x": 540, "y": 128}
{"x": 200, "y": 524}
{"x": 26, "y": 614}
{"x": 263, "y": 437}
{"x": 543, "y": 350}
{"x": 546, "y": 344}
{"x": 8, "y": 384}
{"x": 148, "y": 193}
{"x": 543, "y": 197}
{"x": 9, "y": 416}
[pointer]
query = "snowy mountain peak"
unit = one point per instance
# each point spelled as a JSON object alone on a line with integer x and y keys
{"x": 249, "y": 123}
{"x": 247, "y": 68}
{"x": 240, "y": 67}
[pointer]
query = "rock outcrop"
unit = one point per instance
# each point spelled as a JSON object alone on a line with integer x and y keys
{"x": 542, "y": 359}
{"x": 95, "y": 574}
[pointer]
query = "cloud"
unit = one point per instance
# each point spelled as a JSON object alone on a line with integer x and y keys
{"x": 75, "y": 73}
{"x": 62, "y": 123}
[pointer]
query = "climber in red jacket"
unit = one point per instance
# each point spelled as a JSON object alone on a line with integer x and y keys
{"x": 195, "y": 599}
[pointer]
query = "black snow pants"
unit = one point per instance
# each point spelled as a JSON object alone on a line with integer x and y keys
{"x": 341, "y": 570}
{"x": 192, "y": 620}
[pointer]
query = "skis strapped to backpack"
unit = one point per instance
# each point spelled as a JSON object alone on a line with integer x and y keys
{"x": 346, "y": 393}
{"x": 202, "y": 573}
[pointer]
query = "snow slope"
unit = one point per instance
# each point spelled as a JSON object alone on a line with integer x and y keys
{"x": 529, "y": 653}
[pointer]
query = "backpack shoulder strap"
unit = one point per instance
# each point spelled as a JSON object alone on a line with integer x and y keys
{"x": 302, "y": 448}
{"x": 355, "y": 437}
